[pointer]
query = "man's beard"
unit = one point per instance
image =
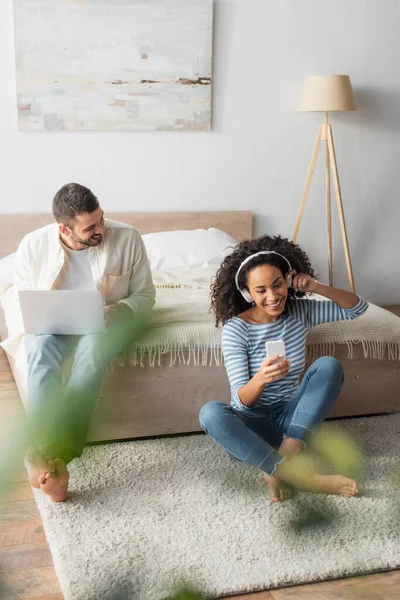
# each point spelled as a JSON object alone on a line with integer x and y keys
{"x": 93, "y": 241}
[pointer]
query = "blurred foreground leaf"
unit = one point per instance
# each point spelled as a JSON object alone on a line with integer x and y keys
{"x": 186, "y": 593}
{"x": 340, "y": 451}
{"x": 12, "y": 450}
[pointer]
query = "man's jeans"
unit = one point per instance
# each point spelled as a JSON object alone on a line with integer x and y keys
{"x": 255, "y": 440}
{"x": 60, "y": 410}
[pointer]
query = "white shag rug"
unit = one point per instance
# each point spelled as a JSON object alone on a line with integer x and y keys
{"x": 145, "y": 515}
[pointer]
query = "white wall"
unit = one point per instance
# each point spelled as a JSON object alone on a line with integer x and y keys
{"x": 258, "y": 153}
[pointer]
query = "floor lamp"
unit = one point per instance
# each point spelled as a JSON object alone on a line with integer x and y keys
{"x": 327, "y": 93}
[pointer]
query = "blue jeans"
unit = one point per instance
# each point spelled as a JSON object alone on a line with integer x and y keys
{"x": 255, "y": 440}
{"x": 60, "y": 410}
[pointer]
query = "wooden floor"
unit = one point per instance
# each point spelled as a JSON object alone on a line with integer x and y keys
{"x": 26, "y": 565}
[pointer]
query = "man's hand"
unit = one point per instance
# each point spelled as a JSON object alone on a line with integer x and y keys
{"x": 116, "y": 312}
{"x": 273, "y": 372}
{"x": 304, "y": 283}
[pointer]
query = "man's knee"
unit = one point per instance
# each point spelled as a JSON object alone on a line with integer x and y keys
{"x": 41, "y": 346}
{"x": 91, "y": 350}
{"x": 90, "y": 344}
{"x": 210, "y": 414}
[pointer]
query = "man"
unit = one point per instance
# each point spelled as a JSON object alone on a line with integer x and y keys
{"x": 82, "y": 251}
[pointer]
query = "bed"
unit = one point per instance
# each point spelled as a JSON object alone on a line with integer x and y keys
{"x": 158, "y": 387}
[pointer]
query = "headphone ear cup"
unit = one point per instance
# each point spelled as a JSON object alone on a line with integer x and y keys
{"x": 289, "y": 281}
{"x": 246, "y": 296}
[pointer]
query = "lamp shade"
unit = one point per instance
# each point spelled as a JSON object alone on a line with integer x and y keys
{"x": 326, "y": 93}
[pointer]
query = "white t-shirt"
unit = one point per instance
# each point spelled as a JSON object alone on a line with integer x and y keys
{"x": 76, "y": 273}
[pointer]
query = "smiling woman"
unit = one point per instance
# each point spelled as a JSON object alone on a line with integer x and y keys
{"x": 268, "y": 289}
{"x": 230, "y": 291}
{"x": 258, "y": 295}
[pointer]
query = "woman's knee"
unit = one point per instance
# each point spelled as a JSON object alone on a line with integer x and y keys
{"x": 331, "y": 366}
{"x": 210, "y": 414}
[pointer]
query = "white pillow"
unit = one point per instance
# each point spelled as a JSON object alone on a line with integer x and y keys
{"x": 168, "y": 250}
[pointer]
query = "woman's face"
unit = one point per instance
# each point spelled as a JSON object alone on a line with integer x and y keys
{"x": 267, "y": 287}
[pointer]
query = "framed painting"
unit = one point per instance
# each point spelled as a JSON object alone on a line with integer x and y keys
{"x": 113, "y": 64}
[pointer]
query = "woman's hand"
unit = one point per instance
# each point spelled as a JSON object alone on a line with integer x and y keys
{"x": 270, "y": 372}
{"x": 250, "y": 393}
{"x": 304, "y": 283}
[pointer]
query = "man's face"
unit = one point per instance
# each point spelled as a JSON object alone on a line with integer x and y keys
{"x": 86, "y": 230}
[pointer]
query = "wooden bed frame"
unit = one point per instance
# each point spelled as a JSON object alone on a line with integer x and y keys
{"x": 138, "y": 402}
{"x": 237, "y": 223}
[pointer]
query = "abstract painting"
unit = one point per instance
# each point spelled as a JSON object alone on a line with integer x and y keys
{"x": 113, "y": 64}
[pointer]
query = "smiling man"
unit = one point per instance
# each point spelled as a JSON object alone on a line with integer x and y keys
{"x": 81, "y": 251}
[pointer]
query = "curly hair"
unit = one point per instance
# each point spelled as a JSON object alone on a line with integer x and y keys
{"x": 226, "y": 300}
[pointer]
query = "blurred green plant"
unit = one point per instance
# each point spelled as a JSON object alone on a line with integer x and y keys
{"x": 330, "y": 451}
{"x": 186, "y": 592}
{"x": 12, "y": 450}
{"x": 339, "y": 450}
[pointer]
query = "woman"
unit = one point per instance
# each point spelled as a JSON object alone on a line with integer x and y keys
{"x": 258, "y": 296}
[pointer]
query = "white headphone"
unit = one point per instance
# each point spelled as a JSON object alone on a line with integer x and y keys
{"x": 244, "y": 292}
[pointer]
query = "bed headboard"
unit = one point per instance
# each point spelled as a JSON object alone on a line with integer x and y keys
{"x": 237, "y": 223}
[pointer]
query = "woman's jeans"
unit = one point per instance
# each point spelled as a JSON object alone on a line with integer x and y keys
{"x": 60, "y": 410}
{"x": 255, "y": 440}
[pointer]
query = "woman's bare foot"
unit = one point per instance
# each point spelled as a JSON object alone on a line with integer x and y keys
{"x": 55, "y": 483}
{"x": 278, "y": 490}
{"x": 301, "y": 477}
{"x": 336, "y": 484}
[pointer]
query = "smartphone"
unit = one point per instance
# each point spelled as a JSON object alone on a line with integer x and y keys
{"x": 276, "y": 347}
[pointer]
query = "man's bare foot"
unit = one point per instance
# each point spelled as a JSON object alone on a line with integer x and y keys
{"x": 278, "y": 490}
{"x": 50, "y": 476}
{"x": 37, "y": 465}
{"x": 55, "y": 483}
{"x": 303, "y": 478}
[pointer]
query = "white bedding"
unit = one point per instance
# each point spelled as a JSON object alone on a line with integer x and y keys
{"x": 183, "y": 327}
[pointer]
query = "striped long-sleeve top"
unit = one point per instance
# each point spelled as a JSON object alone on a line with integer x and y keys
{"x": 243, "y": 347}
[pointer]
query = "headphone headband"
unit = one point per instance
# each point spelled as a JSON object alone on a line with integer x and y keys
{"x": 246, "y": 260}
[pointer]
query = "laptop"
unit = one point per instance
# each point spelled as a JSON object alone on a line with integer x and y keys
{"x": 62, "y": 312}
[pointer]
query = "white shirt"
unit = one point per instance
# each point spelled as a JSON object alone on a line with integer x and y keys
{"x": 76, "y": 273}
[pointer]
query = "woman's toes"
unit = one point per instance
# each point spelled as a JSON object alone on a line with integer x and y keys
{"x": 354, "y": 487}
{"x": 278, "y": 491}
{"x": 285, "y": 495}
{"x": 42, "y": 478}
{"x": 349, "y": 491}
{"x": 274, "y": 495}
